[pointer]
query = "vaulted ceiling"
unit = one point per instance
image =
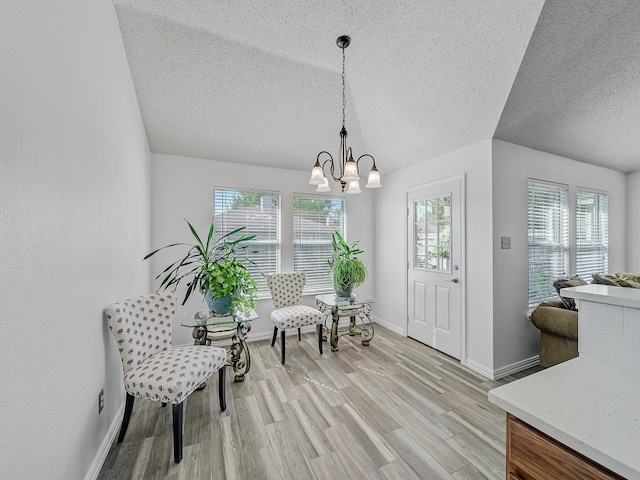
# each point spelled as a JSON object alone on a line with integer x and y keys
{"x": 259, "y": 82}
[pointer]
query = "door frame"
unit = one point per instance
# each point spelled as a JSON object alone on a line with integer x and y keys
{"x": 463, "y": 256}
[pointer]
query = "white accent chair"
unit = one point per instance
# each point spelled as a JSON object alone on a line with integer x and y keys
{"x": 155, "y": 370}
{"x": 286, "y": 292}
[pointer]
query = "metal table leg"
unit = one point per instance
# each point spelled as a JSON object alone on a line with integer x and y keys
{"x": 239, "y": 347}
{"x": 238, "y": 356}
{"x": 335, "y": 318}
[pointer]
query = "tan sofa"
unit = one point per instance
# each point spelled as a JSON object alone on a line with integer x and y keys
{"x": 558, "y": 332}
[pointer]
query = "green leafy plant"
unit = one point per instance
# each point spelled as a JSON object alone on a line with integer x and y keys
{"x": 348, "y": 270}
{"x": 212, "y": 266}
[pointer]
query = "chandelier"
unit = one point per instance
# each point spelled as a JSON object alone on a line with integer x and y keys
{"x": 348, "y": 166}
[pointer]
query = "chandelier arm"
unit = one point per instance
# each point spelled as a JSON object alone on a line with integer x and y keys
{"x": 365, "y": 155}
{"x": 331, "y": 164}
{"x": 324, "y": 151}
{"x": 330, "y": 160}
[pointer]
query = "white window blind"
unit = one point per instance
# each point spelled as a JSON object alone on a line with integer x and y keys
{"x": 259, "y": 212}
{"x": 314, "y": 220}
{"x": 548, "y": 232}
{"x": 592, "y": 233}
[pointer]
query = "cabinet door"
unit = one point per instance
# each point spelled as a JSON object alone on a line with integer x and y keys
{"x": 533, "y": 455}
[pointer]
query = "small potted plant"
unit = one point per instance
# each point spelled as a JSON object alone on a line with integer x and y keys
{"x": 348, "y": 270}
{"x": 212, "y": 269}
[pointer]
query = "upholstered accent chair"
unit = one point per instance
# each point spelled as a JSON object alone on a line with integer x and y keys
{"x": 155, "y": 370}
{"x": 286, "y": 292}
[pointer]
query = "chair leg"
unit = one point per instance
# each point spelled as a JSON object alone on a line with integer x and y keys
{"x": 282, "y": 349}
{"x": 299, "y": 334}
{"x": 319, "y": 329}
{"x": 275, "y": 333}
{"x": 178, "y": 411}
{"x": 222, "y": 387}
{"x": 128, "y": 408}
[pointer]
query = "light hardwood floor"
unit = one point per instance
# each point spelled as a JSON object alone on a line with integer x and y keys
{"x": 393, "y": 410}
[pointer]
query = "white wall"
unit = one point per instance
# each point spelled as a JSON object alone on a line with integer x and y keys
{"x": 633, "y": 222}
{"x": 182, "y": 187}
{"x": 391, "y": 239}
{"x": 74, "y": 221}
{"x": 515, "y": 338}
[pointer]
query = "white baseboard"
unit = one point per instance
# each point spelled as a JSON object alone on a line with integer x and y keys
{"x": 390, "y": 326}
{"x": 517, "y": 367}
{"x": 254, "y": 337}
{"x": 503, "y": 371}
{"x": 103, "y": 451}
{"x": 481, "y": 369}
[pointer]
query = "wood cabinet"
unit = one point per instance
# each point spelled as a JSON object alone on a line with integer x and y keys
{"x": 532, "y": 455}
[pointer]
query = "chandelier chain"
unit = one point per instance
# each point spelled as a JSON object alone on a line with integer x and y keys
{"x": 344, "y": 100}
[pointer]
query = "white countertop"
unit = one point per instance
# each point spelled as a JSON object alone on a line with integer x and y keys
{"x": 621, "y": 296}
{"x": 590, "y": 405}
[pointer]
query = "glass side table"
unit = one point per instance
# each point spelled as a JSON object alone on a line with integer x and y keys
{"x": 356, "y": 310}
{"x": 208, "y": 328}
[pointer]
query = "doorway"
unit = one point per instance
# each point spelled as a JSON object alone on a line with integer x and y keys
{"x": 435, "y": 278}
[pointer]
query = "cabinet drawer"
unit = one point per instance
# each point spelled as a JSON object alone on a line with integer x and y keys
{"x": 532, "y": 455}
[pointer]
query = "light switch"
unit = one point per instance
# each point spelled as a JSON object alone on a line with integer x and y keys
{"x": 505, "y": 243}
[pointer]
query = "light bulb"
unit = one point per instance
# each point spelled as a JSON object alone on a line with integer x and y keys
{"x": 324, "y": 187}
{"x": 354, "y": 187}
{"x": 374, "y": 178}
{"x": 317, "y": 175}
{"x": 350, "y": 171}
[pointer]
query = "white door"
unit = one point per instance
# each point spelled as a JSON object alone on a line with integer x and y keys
{"x": 435, "y": 277}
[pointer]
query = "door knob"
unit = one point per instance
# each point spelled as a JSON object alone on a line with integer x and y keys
{"x": 454, "y": 280}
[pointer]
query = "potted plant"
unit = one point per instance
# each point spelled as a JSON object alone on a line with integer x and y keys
{"x": 212, "y": 268}
{"x": 348, "y": 270}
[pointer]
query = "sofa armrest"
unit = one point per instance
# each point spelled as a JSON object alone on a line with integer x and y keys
{"x": 556, "y": 321}
{"x": 554, "y": 303}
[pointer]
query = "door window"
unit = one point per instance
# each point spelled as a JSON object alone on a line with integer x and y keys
{"x": 432, "y": 234}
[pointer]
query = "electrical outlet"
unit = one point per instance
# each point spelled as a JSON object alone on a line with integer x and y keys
{"x": 100, "y": 401}
{"x": 505, "y": 243}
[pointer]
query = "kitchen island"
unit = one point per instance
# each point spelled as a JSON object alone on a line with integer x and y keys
{"x": 589, "y": 407}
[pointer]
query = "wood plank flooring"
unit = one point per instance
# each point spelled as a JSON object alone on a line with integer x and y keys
{"x": 393, "y": 410}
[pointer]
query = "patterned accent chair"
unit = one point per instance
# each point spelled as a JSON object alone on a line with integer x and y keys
{"x": 155, "y": 370}
{"x": 286, "y": 292}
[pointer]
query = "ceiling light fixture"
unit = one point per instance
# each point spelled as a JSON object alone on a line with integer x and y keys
{"x": 348, "y": 166}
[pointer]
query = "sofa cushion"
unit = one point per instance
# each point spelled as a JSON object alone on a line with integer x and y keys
{"x": 565, "y": 282}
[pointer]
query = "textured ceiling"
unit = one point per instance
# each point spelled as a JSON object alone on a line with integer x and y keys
{"x": 577, "y": 93}
{"x": 259, "y": 82}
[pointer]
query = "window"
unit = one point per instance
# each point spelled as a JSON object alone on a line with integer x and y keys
{"x": 592, "y": 233}
{"x": 548, "y": 232}
{"x": 314, "y": 220}
{"x": 259, "y": 212}
{"x": 432, "y": 233}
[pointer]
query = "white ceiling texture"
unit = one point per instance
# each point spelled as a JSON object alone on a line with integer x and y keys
{"x": 259, "y": 82}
